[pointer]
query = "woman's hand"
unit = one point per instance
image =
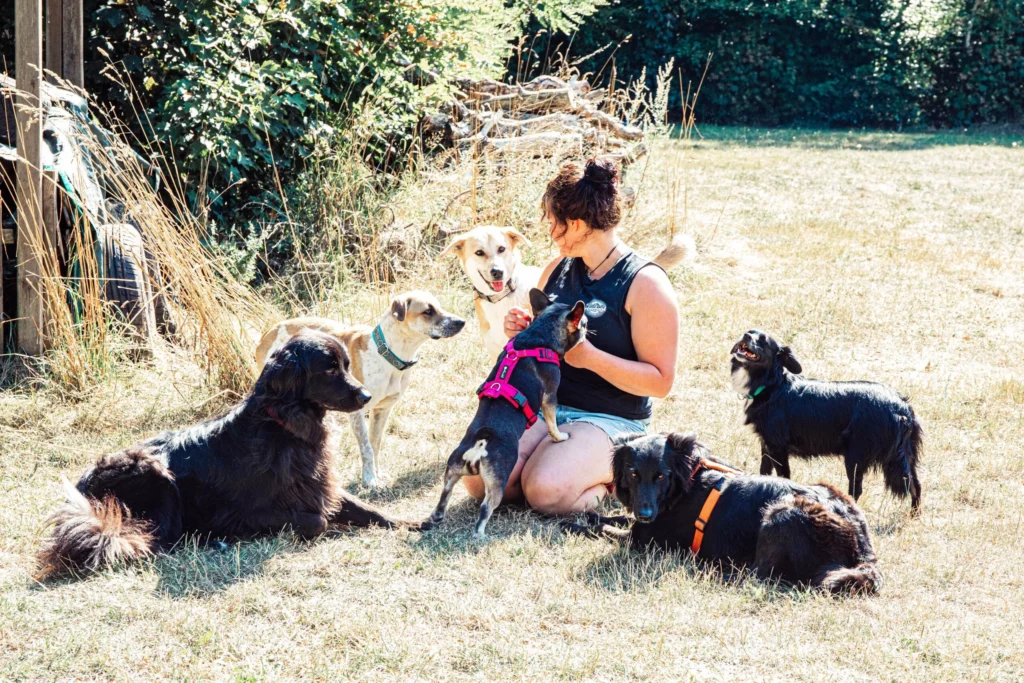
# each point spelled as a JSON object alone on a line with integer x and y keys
{"x": 578, "y": 355}
{"x": 516, "y": 320}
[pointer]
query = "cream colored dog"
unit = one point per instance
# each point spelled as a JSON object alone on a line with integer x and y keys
{"x": 490, "y": 258}
{"x": 381, "y": 359}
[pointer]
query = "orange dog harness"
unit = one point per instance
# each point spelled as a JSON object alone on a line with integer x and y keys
{"x": 712, "y": 500}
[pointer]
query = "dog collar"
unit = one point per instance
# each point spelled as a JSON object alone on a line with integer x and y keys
{"x": 757, "y": 392}
{"x": 711, "y": 501}
{"x": 387, "y": 354}
{"x": 493, "y": 299}
{"x": 272, "y": 414}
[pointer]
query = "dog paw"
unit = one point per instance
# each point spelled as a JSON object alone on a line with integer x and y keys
{"x": 374, "y": 481}
{"x": 573, "y": 528}
{"x": 559, "y": 437}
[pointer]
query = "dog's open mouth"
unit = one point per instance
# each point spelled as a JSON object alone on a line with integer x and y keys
{"x": 744, "y": 351}
{"x": 496, "y": 286}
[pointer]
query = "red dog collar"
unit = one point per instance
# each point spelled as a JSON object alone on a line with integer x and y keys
{"x": 499, "y": 386}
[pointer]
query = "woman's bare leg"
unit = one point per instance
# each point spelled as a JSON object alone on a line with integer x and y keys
{"x": 513, "y": 491}
{"x": 571, "y": 476}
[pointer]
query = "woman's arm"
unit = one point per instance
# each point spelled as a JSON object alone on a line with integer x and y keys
{"x": 652, "y": 306}
{"x": 518, "y": 319}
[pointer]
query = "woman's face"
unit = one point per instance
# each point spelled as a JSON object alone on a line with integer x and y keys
{"x": 568, "y": 237}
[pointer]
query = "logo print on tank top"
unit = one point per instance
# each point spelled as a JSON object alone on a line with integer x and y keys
{"x": 596, "y": 308}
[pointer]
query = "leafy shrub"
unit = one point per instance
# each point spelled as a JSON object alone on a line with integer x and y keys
{"x": 835, "y": 62}
{"x": 978, "y": 65}
{"x": 238, "y": 93}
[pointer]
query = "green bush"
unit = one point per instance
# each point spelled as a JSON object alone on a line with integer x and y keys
{"x": 884, "y": 63}
{"x": 978, "y": 65}
{"x": 238, "y": 93}
{"x": 833, "y": 62}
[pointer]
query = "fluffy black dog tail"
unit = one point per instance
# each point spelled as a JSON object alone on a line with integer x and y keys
{"x": 89, "y": 534}
{"x": 864, "y": 579}
{"x": 900, "y": 468}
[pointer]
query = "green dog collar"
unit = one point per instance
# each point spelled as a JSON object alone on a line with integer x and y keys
{"x": 757, "y": 392}
{"x": 388, "y": 354}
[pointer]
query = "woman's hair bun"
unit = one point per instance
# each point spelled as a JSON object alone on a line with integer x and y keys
{"x": 600, "y": 171}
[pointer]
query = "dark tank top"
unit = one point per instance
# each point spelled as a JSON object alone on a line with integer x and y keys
{"x": 608, "y": 328}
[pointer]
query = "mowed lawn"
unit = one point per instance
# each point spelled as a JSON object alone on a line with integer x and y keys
{"x": 895, "y": 258}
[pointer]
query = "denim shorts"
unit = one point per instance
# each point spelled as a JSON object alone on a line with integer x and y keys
{"x": 612, "y": 425}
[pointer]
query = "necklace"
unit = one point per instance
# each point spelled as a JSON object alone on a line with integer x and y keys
{"x": 591, "y": 271}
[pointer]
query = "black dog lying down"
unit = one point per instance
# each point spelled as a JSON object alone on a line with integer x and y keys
{"x": 490, "y": 446}
{"x": 260, "y": 468}
{"x": 784, "y": 531}
{"x": 869, "y": 424}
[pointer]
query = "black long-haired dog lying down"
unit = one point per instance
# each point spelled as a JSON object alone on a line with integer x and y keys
{"x": 260, "y": 468}
{"x": 869, "y": 424}
{"x": 683, "y": 498}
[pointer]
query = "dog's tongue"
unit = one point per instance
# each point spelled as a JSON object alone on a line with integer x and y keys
{"x": 498, "y": 286}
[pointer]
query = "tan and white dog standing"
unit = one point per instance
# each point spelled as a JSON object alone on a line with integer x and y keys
{"x": 382, "y": 358}
{"x": 490, "y": 258}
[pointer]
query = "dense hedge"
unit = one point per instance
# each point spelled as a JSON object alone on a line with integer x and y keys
{"x": 823, "y": 62}
{"x": 826, "y": 62}
{"x": 977, "y": 65}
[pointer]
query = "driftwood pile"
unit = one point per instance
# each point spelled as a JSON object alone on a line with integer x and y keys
{"x": 545, "y": 117}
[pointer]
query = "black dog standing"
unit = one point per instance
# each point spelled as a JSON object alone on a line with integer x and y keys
{"x": 490, "y": 447}
{"x": 262, "y": 467}
{"x": 869, "y": 424}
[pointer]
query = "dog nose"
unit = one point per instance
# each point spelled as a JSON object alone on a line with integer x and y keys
{"x": 458, "y": 324}
{"x": 497, "y": 273}
{"x": 645, "y": 514}
{"x": 364, "y": 396}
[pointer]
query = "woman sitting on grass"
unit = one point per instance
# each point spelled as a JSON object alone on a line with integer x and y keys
{"x": 628, "y": 357}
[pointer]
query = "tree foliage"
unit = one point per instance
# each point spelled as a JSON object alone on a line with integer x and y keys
{"x": 977, "y": 63}
{"x": 831, "y": 62}
{"x": 240, "y": 92}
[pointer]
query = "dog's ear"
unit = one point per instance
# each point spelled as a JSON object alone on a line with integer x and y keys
{"x": 538, "y": 301}
{"x": 575, "y": 315}
{"x": 399, "y": 308}
{"x": 284, "y": 375}
{"x": 622, "y": 459}
{"x": 789, "y": 361}
{"x": 679, "y": 452}
{"x": 457, "y": 245}
{"x": 515, "y": 237}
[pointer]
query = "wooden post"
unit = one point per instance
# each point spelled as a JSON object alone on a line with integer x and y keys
{"x": 54, "y": 43}
{"x": 53, "y": 47}
{"x": 74, "y": 38}
{"x": 28, "y": 40}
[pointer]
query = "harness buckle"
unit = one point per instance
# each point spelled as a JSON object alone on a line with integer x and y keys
{"x": 700, "y": 524}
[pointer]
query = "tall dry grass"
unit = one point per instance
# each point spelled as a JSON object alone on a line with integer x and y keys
{"x": 86, "y": 337}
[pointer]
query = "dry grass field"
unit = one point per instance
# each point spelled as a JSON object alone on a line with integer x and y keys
{"x": 896, "y": 258}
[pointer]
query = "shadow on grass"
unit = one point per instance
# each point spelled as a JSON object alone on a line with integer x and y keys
{"x": 871, "y": 140}
{"x": 455, "y": 536}
{"x": 196, "y": 569}
{"x": 623, "y": 570}
{"x": 408, "y": 483}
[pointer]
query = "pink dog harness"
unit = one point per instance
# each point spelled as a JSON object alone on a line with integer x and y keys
{"x": 500, "y": 388}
